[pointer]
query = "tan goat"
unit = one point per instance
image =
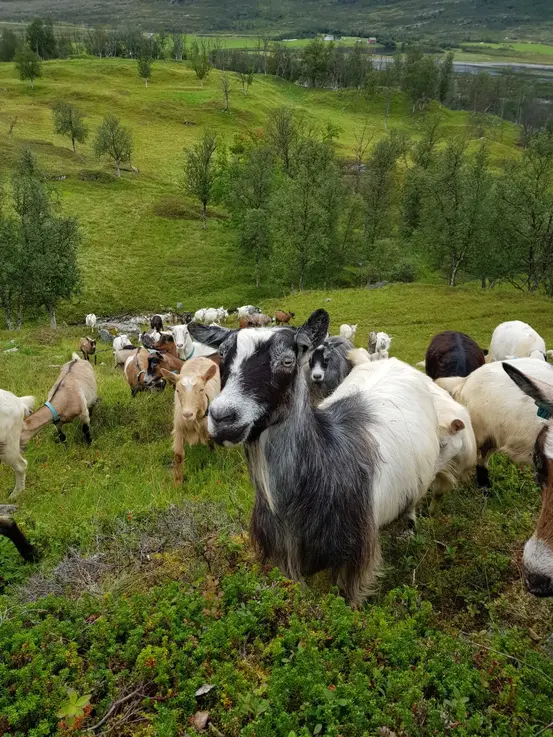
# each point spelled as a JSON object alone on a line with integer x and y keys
{"x": 196, "y": 386}
{"x": 72, "y": 396}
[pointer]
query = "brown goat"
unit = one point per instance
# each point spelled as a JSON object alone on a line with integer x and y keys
{"x": 73, "y": 396}
{"x": 143, "y": 369}
{"x": 197, "y": 384}
{"x": 255, "y": 321}
{"x": 87, "y": 347}
{"x": 283, "y": 318}
{"x": 453, "y": 354}
{"x": 10, "y": 529}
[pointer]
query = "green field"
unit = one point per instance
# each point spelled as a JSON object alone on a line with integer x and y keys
{"x": 127, "y": 243}
{"x": 530, "y": 53}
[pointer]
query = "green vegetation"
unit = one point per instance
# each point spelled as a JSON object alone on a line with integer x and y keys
{"x": 485, "y": 20}
{"x": 148, "y": 208}
{"x": 156, "y": 593}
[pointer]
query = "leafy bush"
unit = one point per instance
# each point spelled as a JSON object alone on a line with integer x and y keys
{"x": 280, "y": 659}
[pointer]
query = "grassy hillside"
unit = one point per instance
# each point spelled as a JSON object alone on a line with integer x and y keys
{"x": 153, "y": 590}
{"x": 451, "y": 18}
{"x": 144, "y": 248}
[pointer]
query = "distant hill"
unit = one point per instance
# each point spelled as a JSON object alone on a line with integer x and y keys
{"x": 443, "y": 19}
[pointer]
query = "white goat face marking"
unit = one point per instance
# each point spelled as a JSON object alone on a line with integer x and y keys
{"x": 548, "y": 445}
{"x": 257, "y": 365}
{"x": 538, "y": 567}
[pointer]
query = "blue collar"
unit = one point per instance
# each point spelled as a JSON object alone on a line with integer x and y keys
{"x": 53, "y": 411}
{"x": 191, "y": 354}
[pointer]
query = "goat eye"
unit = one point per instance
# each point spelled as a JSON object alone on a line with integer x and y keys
{"x": 288, "y": 361}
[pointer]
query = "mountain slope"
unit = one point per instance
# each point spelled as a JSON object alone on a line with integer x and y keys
{"x": 446, "y": 18}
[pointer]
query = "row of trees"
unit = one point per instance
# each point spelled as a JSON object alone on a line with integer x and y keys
{"x": 38, "y": 246}
{"x": 307, "y": 219}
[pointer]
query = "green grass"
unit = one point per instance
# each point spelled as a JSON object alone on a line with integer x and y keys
{"x": 131, "y": 258}
{"x": 451, "y": 629}
{"x": 532, "y": 53}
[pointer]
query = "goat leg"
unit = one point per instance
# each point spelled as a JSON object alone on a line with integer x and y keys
{"x": 9, "y": 529}
{"x": 86, "y": 433}
{"x": 178, "y": 460}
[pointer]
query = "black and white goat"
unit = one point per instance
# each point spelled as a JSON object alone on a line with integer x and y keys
{"x": 328, "y": 478}
{"x": 328, "y": 366}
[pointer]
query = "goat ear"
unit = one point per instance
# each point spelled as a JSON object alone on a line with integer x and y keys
{"x": 539, "y": 391}
{"x": 209, "y": 374}
{"x": 169, "y": 376}
{"x": 211, "y": 335}
{"x": 314, "y": 331}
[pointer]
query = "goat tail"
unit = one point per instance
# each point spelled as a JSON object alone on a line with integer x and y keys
{"x": 358, "y": 356}
{"x": 28, "y": 403}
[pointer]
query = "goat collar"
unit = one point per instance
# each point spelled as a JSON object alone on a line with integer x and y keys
{"x": 189, "y": 356}
{"x": 52, "y": 409}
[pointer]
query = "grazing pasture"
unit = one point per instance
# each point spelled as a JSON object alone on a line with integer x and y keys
{"x": 159, "y": 619}
{"x": 143, "y": 223}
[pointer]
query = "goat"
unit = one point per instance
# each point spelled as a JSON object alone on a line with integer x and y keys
{"x": 537, "y": 559}
{"x": 327, "y": 478}
{"x": 503, "y": 419}
{"x": 283, "y": 318}
{"x": 73, "y": 395}
{"x": 149, "y": 339}
{"x": 379, "y": 345}
{"x": 10, "y": 529}
{"x": 457, "y": 458}
{"x": 516, "y": 339}
{"x": 247, "y": 310}
{"x": 87, "y": 347}
{"x": 348, "y": 331}
{"x": 452, "y": 354}
{"x": 12, "y": 414}
{"x": 186, "y": 347}
{"x": 156, "y": 323}
{"x": 257, "y": 320}
{"x": 90, "y": 321}
{"x": 143, "y": 369}
{"x": 328, "y": 366}
{"x": 197, "y": 384}
{"x": 121, "y": 341}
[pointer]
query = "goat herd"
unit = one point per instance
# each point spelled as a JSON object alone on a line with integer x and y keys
{"x": 340, "y": 441}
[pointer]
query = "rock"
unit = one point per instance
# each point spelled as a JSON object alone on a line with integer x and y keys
{"x": 199, "y": 720}
{"x": 11, "y": 350}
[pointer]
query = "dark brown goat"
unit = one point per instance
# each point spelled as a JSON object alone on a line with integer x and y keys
{"x": 9, "y": 529}
{"x": 453, "y": 354}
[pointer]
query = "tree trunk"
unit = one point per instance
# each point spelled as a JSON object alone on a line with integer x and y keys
{"x": 33, "y": 83}
{"x": 453, "y": 275}
{"x": 146, "y": 81}
{"x": 20, "y": 314}
{"x": 118, "y": 167}
{"x": 204, "y": 214}
{"x": 52, "y": 312}
{"x": 73, "y": 144}
{"x": 483, "y": 282}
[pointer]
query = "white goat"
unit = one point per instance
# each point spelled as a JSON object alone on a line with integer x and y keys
{"x": 246, "y": 310}
{"x": 13, "y": 411}
{"x": 457, "y": 457}
{"x": 90, "y": 320}
{"x": 458, "y": 453}
{"x": 503, "y": 418}
{"x": 379, "y": 345}
{"x": 186, "y": 347}
{"x": 516, "y": 339}
{"x": 121, "y": 341}
{"x": 348, "y": 331}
